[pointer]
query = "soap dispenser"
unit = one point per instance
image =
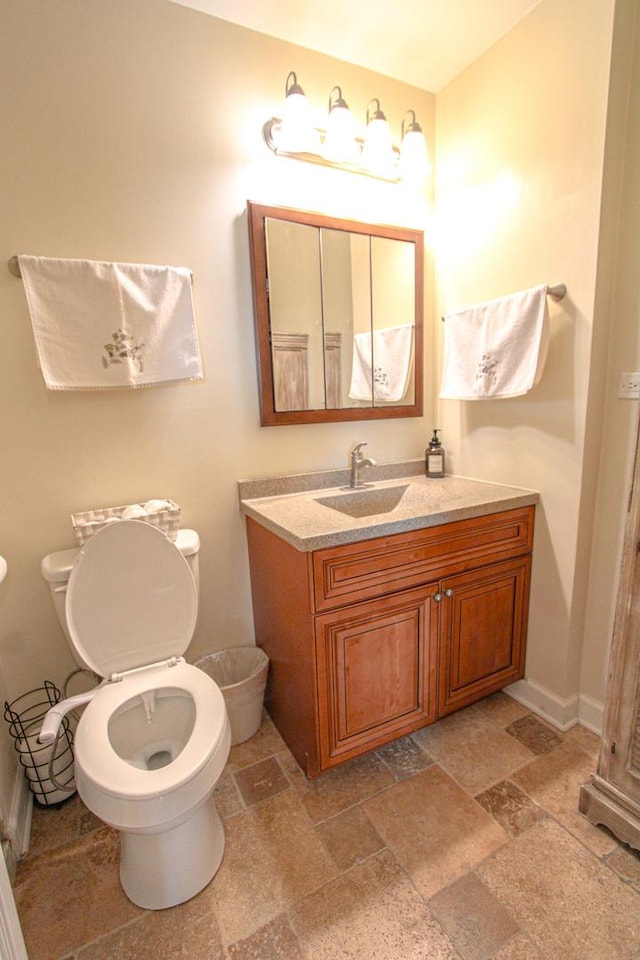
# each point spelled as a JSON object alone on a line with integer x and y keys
{"x": 434, "y": 457}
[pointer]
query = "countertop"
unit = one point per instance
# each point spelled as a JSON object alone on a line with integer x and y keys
{"x": 289, "y": 507}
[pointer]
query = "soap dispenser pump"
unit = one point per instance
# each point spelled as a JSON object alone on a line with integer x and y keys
{"x": 434, "y": 457}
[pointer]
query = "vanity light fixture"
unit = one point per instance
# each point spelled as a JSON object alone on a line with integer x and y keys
{"x": 338, "y": 144}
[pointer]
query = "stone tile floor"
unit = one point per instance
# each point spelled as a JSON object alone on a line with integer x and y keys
{"x": 460, "y": 842}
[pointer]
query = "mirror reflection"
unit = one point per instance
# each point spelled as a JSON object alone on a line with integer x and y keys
{"x": 338, "y": 310}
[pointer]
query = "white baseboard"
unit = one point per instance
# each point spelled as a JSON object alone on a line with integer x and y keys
{"x": 590, "y": 713}
{"x": 563, "y": 714}
{"x": 18, "y": 829}
{"x": 18, "y": 823}
{"x": 12, "y": 945}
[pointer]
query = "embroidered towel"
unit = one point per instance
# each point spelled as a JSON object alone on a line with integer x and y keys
{"x": 497, "y": 349}
{"x": 390, "y": 349}
{"x": 105, "y": 326}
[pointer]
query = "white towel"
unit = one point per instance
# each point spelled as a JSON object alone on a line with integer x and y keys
{"x": 104, "y": 326}
{"x": 390, "y": 351}
{"x": 497, "y": 349}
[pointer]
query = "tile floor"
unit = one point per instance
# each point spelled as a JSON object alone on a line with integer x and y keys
{"x": 460, "y": 842}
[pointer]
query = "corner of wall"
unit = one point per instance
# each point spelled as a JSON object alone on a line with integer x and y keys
{"x": 562, "y": 714}
{"x": 18, "y": 823}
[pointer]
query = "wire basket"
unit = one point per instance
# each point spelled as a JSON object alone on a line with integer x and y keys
{"x": 50, "y": 778}
{"x": 88, "y": 522}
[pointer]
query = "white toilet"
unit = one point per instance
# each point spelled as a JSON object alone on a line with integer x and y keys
{"x": 155, "y": 736}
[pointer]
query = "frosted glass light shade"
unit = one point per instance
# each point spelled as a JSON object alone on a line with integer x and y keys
{"x": 414, "y": 159}
{"x": 377, "y": 150}
{"x": 340, "y": 136}
{"x": 296, "y": 134}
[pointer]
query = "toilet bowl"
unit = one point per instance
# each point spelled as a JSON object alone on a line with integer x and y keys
{"x": 154, "y": 737}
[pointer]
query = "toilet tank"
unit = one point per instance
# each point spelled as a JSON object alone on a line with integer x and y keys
{"x": 56, "y": 567}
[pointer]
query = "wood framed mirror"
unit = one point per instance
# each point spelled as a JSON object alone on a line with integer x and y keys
{"x": 338, "y": 309}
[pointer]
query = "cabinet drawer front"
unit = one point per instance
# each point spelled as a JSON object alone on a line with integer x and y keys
{"x": 373, "y": 568}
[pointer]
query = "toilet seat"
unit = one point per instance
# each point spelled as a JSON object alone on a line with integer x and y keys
{"x": 131, "y": 599}
{"x": 118, "y": 778}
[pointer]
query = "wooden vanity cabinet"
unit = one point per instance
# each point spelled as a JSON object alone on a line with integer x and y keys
{"x": 369, "y": 641}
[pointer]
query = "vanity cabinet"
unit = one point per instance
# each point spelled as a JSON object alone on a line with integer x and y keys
{"x": 371, "y": 640}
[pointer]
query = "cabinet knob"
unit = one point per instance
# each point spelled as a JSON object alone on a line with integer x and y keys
{"x": 437, "y": 597}
{"x": 448, "y": 592}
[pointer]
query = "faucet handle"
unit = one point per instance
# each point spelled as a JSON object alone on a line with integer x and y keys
{"x": 358, "y": 447}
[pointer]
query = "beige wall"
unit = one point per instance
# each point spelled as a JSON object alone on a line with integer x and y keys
{"x": 8, "y": 761}
{"x": 132, "y": 132}
{"x": 520, "y": 165}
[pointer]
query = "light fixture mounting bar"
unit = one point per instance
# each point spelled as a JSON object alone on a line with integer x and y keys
{"x": 274, "y": 124}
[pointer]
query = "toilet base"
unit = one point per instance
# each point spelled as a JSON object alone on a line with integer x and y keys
{"x": 159, "y": 870}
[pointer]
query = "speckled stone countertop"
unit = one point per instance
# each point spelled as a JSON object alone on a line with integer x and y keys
{"x": 291, "y": 506}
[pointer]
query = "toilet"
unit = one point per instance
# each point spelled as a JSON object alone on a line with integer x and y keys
{"x": 154, "y": 737}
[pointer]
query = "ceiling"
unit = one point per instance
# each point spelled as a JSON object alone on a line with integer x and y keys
{"x": 422, "y": 42}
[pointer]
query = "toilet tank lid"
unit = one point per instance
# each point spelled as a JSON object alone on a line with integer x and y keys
{"x": 56, "y": 567}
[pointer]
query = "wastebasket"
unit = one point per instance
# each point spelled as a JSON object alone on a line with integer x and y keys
{"x": 241, "y": 674}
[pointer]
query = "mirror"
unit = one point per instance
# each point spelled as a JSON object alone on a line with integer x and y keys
{"x": 338, "y": 308}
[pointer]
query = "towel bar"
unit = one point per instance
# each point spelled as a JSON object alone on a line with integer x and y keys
{"x": 14, "y": 267}
{"x": 557, "y": 292}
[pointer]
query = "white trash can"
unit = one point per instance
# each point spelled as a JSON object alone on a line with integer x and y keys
{"x": 241, "y": 674}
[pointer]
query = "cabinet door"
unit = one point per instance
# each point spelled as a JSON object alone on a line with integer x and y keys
{"x": 376, "y": 665}
{"x": 483, "y": 632}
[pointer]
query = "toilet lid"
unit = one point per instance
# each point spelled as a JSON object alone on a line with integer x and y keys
{"x": 131, "y": 599}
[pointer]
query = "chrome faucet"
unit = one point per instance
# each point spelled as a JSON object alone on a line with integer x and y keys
{"x": 358, "y": 461}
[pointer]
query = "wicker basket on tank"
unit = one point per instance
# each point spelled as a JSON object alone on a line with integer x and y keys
{"x": 88, "y": 522}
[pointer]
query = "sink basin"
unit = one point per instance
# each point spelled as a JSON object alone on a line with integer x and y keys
{"x": 365, "y": 503}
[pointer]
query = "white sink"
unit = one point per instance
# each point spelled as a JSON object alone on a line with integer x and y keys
{"x": 3, "y": 568}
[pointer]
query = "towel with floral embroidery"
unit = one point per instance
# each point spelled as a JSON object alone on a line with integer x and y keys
{"x": 100, "y": 325}
{"x": 497, "y": 349}
{"x": 381, "y": 364}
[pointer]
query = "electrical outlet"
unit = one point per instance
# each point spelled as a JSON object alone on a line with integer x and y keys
{"x": 629, "y": 386}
